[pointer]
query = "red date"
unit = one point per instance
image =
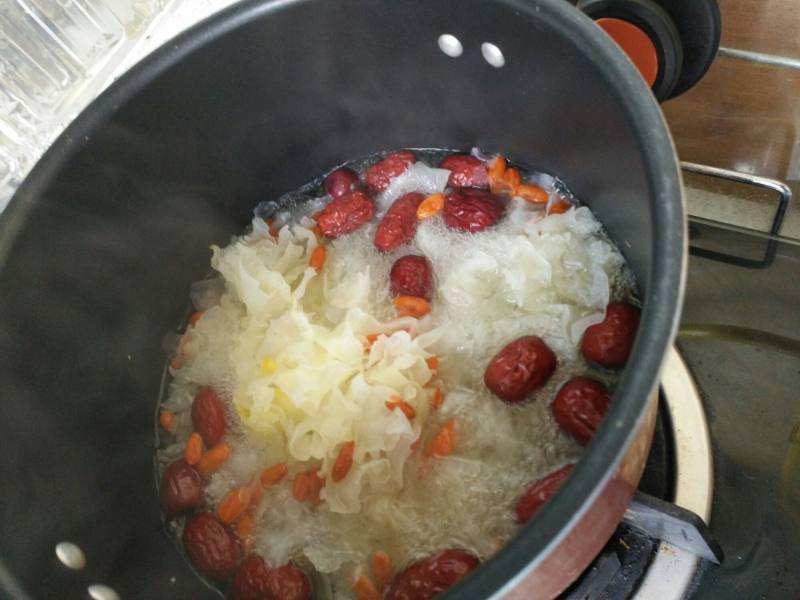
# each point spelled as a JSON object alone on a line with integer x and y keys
{"x": 471, "y": 210}
{"x": 540, "y": 492}
{"x": 609, "y": 343}
{"x": 580, "y": 406}
{"x": 465, "y": 171}
{"x": 520, "y": 368}
{"x": 345, "y": 214}
{"x": 211, "y": 547}
{"x": 340, "y": 182}
{"x": 380, "y": 175}
{"x": 431, "y": 576}
{"x": 181, "y": 488}
{"x": 399, "y": 224}
{"x": 411, "y": 276}
{"x": 256, "y": 581}
{"x": 208, "y": 416}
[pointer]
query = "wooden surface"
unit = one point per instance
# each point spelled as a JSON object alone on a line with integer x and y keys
{"x": 742, "y": 115}
{"x": 769, "y": 26}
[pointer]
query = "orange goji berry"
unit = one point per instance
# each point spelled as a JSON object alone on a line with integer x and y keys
{"x": 499, "y": 187}
{"x": 234, "y": 504}
{"x": 405, "y": 407}
{"x": 272, "y": 475}
{"x": 371, "y": 339}
{"x": 507, "y": 184}
{"x": 341, "y": 467}
{"x": 411, "y": 306}
{"x": 196, "y": 316}
{"x": 273, "y": 229}
{"x": 167, "y": 421}
{"x": 443, "y": 443}
{"x": 438, "y": 399}
{"x": 317, "y": 231}
{"x": 364, "y": 589}
{"x": 431, "y": 206}
{"x": 307, "y": 485}
{"x": 300, "y": 486}
{"x": 532, "y": 193}
{"x": 513, "y": 178}
{"x": 244, "y": 526}
{"x": 317, "y": 260}
{"x": 256, "y": 491}
{"x": 433, "y": 363}
{"x": 194, "y": 449}
{"x": 559, "y": 207}
{"x": 382, "y": 568}
{"x": 497, "y": 167}
{"x": 213, "y": 459}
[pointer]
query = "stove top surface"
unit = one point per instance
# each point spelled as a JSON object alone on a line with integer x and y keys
{"x": 740, "y": 335}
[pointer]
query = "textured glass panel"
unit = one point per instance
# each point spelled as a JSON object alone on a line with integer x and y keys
{"x": 55, "y": 56}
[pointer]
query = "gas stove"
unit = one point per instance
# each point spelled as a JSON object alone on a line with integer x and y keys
{"x": 727, "y": 445}
{"x": 740, "y": 336}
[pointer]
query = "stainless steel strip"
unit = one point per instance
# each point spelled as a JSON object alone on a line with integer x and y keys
{"x": 771, "y": 184}
{"x": 760, "y": 57}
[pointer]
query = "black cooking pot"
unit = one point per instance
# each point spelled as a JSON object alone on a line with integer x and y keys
{"x": 100, "y": 243}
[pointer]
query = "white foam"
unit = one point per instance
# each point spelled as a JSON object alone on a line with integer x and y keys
{"x": 419, "y": 177}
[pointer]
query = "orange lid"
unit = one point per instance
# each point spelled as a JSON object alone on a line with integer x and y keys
{"x": 635, "y": 43}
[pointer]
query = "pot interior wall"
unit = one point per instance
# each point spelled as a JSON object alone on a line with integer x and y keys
{"x": 101, "y": 243}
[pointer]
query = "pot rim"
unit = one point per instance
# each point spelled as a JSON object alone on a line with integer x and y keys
{"x": 661, "y": 301}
